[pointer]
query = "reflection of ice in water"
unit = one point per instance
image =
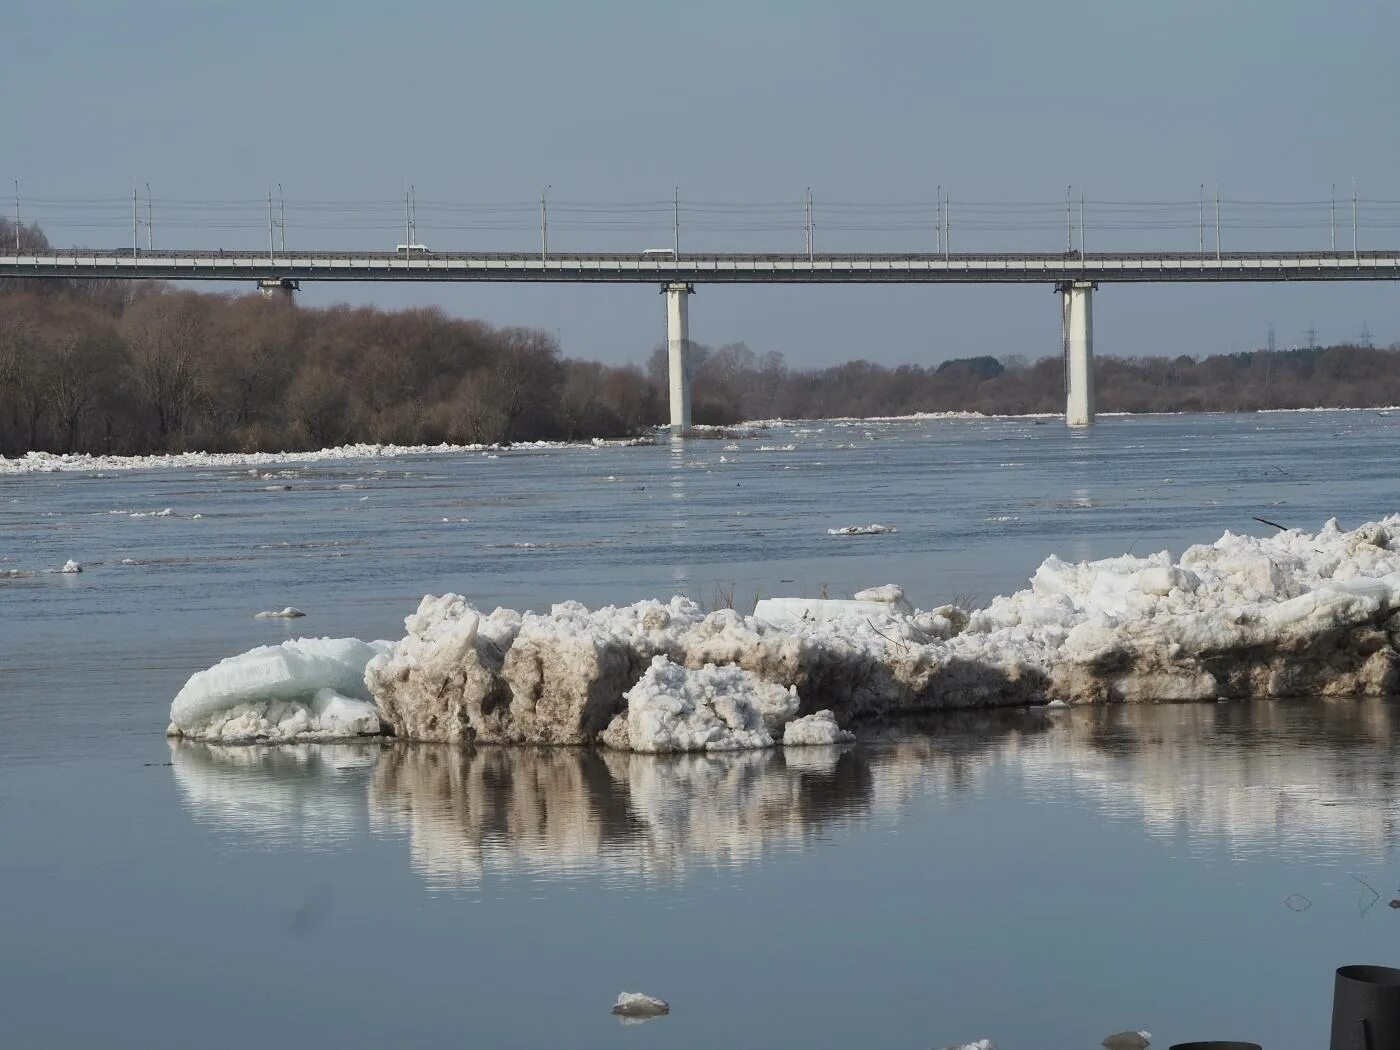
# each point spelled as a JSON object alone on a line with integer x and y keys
{"x": 1257, "y": 778}
{"x": 1256, "y": 775}
{"x": 310, "y": 794}
{"x": 491, "y": 809}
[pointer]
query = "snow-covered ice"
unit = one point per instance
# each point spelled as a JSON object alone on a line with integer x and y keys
{"x": 783, "y": 612}
{"x": 674, "y": 708}
{"x": 815, "y": 730}
{"x": 291, "y": 612}
{"x": 71, "y": 566}
{"x": 304, "y": 689}
{"x": 890, "y": 593}
{"x": 1291, "y": 614}
{"x": 82, "y": 462}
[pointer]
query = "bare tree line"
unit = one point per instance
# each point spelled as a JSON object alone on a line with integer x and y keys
{"x": 145, "y": 367}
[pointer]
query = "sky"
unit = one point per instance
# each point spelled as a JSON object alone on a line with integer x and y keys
{"x": 739, "y": 104}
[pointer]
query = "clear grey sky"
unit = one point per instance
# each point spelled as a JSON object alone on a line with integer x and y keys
{"x": 735, "y": 102}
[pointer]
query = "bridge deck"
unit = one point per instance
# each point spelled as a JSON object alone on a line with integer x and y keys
{"x": 604, "y": 267}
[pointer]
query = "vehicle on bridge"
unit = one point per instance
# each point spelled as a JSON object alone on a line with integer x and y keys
{"x": 655, "y": 253}
{"x": 413, "y": 249}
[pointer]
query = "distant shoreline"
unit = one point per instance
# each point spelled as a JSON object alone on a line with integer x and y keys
{"x": 90, "y": 463}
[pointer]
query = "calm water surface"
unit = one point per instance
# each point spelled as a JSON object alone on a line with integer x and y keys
{"x": 1041, "y": 878}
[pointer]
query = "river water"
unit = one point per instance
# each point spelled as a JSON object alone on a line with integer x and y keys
{"x": 1042, "y": 877}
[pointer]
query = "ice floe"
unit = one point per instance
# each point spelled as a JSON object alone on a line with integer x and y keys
{"x": 815, "y": 730}
{"x": 873, "y": 529}
{"x": 711, "y": 708}
{"x": 303, "y": 689}
{"x": 71, "y": 566}
{"x": 635, "y": 1004}
{"x": 1138, "y": 1040}
{"x": 291, "y": 612}
{"x": 1291, "y": 614}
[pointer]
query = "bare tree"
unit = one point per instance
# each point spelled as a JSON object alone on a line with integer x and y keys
{"x": 164, "y": 332}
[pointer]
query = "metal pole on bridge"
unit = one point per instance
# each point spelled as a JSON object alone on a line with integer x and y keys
{"x": 1083, "y": 247}
{"x": 938, "y": 220}
{"x": 1069, "y": 221}
{"x": 271, "y": 242}
{"x": 282, "y": 216}
{"x": 150, "y": 225}
{"x": 1334, "y": 216}
{"x": 16, "y": 216}
{"x": 544, "y": 224}
{"x": 1353, "y": 218}
{"x": 135, "y": 247}
{"x": 1217, "y": 220}
{"x": 676, "y": 251}
{"x": 809, "y": 223}
{"x": 1203, "y": 218}
{"x": 947, "y": 222}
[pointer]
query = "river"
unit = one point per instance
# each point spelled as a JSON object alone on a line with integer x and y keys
{"x": 1041, "y": 878}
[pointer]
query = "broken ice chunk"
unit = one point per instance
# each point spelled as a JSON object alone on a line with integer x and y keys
{"x": 635, "y": 1004}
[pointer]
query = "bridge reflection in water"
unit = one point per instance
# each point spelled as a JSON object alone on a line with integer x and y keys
{"x": 1248, "y": 778}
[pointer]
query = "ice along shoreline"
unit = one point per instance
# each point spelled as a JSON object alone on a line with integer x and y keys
{"x": 84, "y": 462}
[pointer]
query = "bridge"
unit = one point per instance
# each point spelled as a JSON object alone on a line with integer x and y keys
{"x": 1073, "y": 274}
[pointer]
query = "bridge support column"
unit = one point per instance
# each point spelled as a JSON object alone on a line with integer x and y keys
{"x": 1077, "y": 328}
{"x": 678, "y": 351}
{"x": 278, "y": 287}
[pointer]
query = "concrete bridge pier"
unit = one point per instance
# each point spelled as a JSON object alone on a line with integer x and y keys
{"x": 678, "y": 351}
{"x": 275, "y": 287}
{"x": 1077, "y": 328}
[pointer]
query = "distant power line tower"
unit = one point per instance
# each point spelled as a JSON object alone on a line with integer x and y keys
{"x": 1312, "y": 336}
{"x": 1365, "y": 339}
{"x": 1272, "y": 342}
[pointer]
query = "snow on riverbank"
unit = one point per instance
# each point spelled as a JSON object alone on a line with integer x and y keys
{"x": 85, "y": 463}
{"x": 1294, "y": 614}
{"x": 52, "y": 462}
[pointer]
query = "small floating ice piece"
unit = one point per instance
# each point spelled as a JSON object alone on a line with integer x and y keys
{"x": 976, "y": 1044}
{"x": 289, "y": 613}
{"x": 71, "y": 566}
{"x": 635, "y": 1004}
{"x": 815, "y": 730}
{"x": 873, "y": 529}
{"x": 1138, "y": 1040}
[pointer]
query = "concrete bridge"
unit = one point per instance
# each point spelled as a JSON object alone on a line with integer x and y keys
{"x": 1074, "y": 275}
